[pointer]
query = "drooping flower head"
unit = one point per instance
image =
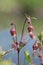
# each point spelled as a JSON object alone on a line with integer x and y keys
{"x": 30, "y": 28}
{"x": 13, "y": 30}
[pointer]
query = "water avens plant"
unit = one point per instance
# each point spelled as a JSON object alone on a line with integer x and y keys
{"x": 21, "y": 44}
{"x": 38, "y": 45}
{"x": 16, "y": 45}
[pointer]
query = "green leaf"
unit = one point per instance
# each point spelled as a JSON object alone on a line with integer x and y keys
{"x": 2, "y": 55}
{"x": 27, "y": 56}
{"x": 39, "y": 36}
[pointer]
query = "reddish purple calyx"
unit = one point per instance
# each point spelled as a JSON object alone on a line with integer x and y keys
{"x": 35, "y": 46}
{"x": 30, "y": 28}
{"x": 13, "y": 32}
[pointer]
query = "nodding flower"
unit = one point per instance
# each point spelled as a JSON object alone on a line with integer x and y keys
{"x": 13, "y": 30}
{"x": 30, "y": 28}
{"x": 35, "y": 46}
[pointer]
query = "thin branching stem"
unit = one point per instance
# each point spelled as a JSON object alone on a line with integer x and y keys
{"x": 16, "y": 32}
{"x": 23, "y": 29}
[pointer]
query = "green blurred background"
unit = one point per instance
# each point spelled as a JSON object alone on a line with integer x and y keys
{"x": 14, "y": 10}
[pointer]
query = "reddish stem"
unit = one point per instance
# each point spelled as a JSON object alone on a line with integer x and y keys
{"x": 18, "y": 58}
{"x": 23, "y": 29}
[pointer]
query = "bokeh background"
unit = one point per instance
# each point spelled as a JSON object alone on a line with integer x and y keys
{"x": 14, "y": 11}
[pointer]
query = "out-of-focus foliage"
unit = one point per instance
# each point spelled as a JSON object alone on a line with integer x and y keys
{"x": 27, "y": 56}
{"x": 34, "y": 3}
{"x": 40, "y": 36}
{"x": 6, "y": 62}
{"x": 2, "y": 53}
{"x": 27, "y": 5}
{"x": 10, "y": 8}
{"x": 7, "y": 5}
{"x": 30, "y": 5}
